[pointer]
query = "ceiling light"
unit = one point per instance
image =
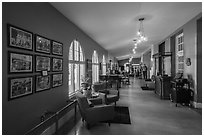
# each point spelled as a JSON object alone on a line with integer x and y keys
{"x": 140, "y": 33}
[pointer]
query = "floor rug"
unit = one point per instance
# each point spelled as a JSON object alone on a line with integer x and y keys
{"x": 122, "y": 115}
{"x": 147, "y": 88}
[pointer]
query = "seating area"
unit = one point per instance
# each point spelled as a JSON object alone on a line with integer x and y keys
{"x": 94, "y": 113}
{"x": 97, "y": 101}
{"x": 111, "y": 95}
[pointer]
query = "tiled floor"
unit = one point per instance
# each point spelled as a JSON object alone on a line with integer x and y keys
{"x": 149, "y": 116}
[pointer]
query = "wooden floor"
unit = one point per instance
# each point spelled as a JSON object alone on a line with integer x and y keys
{"x": 149, "y": 116}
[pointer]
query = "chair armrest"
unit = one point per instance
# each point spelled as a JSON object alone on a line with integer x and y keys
{"x": 96, "y": 101}
{"x": 103, "y": 91}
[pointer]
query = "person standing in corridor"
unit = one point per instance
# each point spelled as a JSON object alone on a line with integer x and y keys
{"x": 144, "y": 69}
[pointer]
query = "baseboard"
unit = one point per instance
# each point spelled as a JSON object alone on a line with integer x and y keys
{"x": 196, "y": 104}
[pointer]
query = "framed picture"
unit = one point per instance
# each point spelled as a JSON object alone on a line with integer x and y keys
{"x": 57, "y": 48}
{"x": 20, "y": 62}
{"x": 20, "y": 38}
{"x": 42, "y": 63}
{"x": 42, "y": 83}
{"x": 57, "y": 80}
{"x": 20, "y": 86}
{"x": 42, "y": 44}
{"x": 57, "y": 64}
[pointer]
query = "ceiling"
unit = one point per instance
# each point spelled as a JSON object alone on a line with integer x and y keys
{"x": 114, "y": 24}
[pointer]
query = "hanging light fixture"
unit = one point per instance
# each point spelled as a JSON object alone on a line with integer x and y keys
{"x": 134, "y": 50}
{"x": 140, "y": 34}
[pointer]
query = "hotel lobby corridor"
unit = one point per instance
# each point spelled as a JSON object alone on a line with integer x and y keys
{"x": 149, "y": 116}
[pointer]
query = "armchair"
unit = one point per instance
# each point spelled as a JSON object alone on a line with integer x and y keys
{"x": 111, "y": 95}
{"x": 94, "y": 114}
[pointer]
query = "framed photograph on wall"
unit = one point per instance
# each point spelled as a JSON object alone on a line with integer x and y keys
{"x": 42, "y": 63}
{"x": 57, "y": 48}
{"x": 57, "y": 80}
{"x": 42, "y": 44}
{"x": 42, "y": 83}
{"x": 20, "y": 62}
{"x": 20, "y": 38}
{"x": 57, "y": 64}
{"x": 20, "y": 86}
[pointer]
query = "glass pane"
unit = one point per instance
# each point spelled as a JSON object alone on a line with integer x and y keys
{"x": 82, "y": 74}
{"x": 71, "y": 87}
{"x": 104, "y": 60}
{"x": 76, "y": 51}
{"x": 97, "y": 73}
{"x": 81, "y": 56}
{"x": 104, "y": 69}
{"x": 80, "y": 49}
{"x": 76, "y": 45}
{"x": 76, "y": 77}
{"x": 71, "y": 52}
{"x": 93, "y": 74}
{"x": 96, "y": 57}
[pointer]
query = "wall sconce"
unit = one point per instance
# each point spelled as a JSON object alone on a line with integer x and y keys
{"x": 188, "y": 61}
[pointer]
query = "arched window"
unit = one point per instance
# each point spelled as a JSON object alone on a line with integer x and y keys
{"x": 95, "y": 67}
{"x": 104, "y": 65}
{"x": 76, "y": 67}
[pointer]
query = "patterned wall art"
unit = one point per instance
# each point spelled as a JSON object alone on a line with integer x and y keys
{"x": 57, "y": 64}
{"x": 42, "y": 63}
{"x": 42, "y": 44}
{"x": 42, "y": 83}
{"x": 20, "y": 86}
{"x": 20, "y": 38}
{"x": 57, "y": 80}
{"x": 57, "y": 48}
{"x": 20, "y": 62}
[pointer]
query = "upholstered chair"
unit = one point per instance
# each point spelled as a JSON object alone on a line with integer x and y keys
{"x": 95, "y": 113}
{"x": 111, "y": 95}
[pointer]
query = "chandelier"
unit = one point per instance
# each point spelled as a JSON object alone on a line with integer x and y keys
{"x": 140, "y": 36}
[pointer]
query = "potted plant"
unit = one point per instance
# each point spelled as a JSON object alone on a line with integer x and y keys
{"x": 85, "y": 82}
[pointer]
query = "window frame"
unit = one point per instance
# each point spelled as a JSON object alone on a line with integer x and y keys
{"x": 75, "y": 48}
{"x": 95, "y": 67}
{"x": 180, "y": 53}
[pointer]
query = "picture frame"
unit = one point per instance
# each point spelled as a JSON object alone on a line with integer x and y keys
{"x": 57, "y": 48}
{"x": 20, "y": 62}
{"x": 20, "y": 86}
{"x": 19, "y": 38}
{"x": 42, "y": 44}
{"x": 43, "y": 63}
{"x": 42, "y": 83}
{"x": 57, "y": 64}
{"x": 57, "y": 80}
